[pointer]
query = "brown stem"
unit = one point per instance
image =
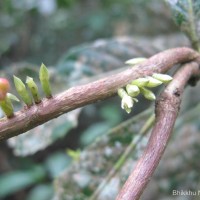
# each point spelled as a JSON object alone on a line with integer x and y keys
{"x": 167, "y": 107}
{"x": 82, "y": 95}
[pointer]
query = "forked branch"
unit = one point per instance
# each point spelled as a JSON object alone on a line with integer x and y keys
{"x": 167, "y": 107}
{"x": 86, "y": 94}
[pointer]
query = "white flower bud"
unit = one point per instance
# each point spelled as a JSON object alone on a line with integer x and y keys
{"x": 135, "y": 61}
{"x": 148, "y": 94}
{"x": 153, "y": 82}
{"x": 132, "y": 90}
{"x": 140, "y": 82}
{"x": 162, "y": 77}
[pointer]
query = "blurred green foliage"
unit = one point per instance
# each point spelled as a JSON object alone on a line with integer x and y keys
{"x": 59, "y": 33}
{"x": 41, "y": 191}
{"x": 16, "y": 180}
{"x": 30, "y": 28}
{"x": 186, "y": 15}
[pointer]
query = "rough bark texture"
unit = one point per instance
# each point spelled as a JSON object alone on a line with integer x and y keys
{"x": 167, "y": 107}
{"x": 79, "y": 96}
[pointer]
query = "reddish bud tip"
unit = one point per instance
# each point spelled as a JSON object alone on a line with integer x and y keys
{"x": 4, "y": 87}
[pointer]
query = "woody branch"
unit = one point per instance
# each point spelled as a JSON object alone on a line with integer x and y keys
{"x": 80, "y": 96}
{"x": 167, "y": 107}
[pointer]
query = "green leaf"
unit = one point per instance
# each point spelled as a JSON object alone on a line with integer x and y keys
{"x": 111, "y": 114}
{"x": 61, "y": 130}
{"x": 97, "y": 159}
{"x": 43, "y": 135}
{"x": 56, "y": 163}
{"x": 186, "y": 15}
{"x": 42, "y": 191}
{"x": 17, "y": 180}
{"x": 93, "y": 132}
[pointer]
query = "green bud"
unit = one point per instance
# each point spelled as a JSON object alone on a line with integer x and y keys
{"x": 132, "y": 90}
{"x": 162, "y": 77}
{"x": 140, "y": 82}
{"x": 33, "y": 88}
{"x": 148, "y": 94}
{"x": 122, "y": 93}
{"x": 135, "y": 61}
{"x": 153, "y": 82}
{"x": 12, "y": 97}
{"x": 44, "y": 79}
{"x": 22, "y": 91}
{"x": 7, "y": 107}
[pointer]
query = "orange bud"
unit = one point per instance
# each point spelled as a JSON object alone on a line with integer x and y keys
{"x": 4, "y": 87}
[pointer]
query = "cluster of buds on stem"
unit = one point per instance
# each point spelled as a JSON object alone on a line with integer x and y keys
{"x": 140, "y": 85}
{"x": 28, "y": 97}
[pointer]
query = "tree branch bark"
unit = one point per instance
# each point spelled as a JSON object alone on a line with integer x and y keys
{"x": 79, "y": 96}
{"x": 167, "y": 107}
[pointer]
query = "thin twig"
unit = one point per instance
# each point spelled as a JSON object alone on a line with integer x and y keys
{"x": 120, "y": 162}
{"x": 188, "y": 116}
{"x": 192, "y": 31}
{"x": 167, "y": 107}
{"x": 80, "y": 96}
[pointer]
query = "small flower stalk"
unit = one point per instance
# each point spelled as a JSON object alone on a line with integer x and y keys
{"x": 22, "y": 91}
{"x": 33, "y": 89}
{"x": 44, "y": 79}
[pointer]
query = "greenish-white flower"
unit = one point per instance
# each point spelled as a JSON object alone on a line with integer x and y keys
{"x": 127, "y": 103}
{"x": 162, "y": 77}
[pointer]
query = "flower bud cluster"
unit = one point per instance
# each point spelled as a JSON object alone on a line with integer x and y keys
{"x": 33, "y": 89}
{"x": 138, "y": 86}
{"x": 28, "y": 97}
